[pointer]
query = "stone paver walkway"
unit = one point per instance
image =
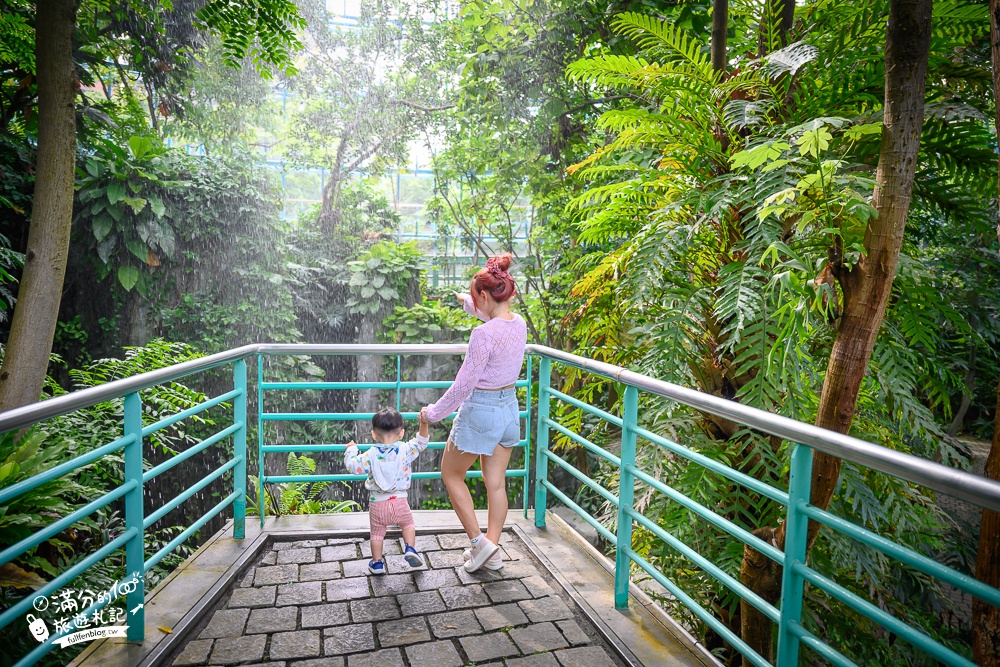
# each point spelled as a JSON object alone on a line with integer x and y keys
{"x": 312, "y": 603}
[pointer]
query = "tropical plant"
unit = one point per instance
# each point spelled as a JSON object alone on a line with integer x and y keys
{"x": 139, "y": 34}
{"x": 121, "y": 196}
{"x": 719, "y": 215}
{"x": 23, "y": 456}
{"x": 427, "y": 322}
{"x": 59, "y": 439}
{"x": 381, "y": 276}
{"x": 296, "y": 497}
{"x": 356, "y": 103}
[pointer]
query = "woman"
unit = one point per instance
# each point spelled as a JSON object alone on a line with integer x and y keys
{"x": 488, "y": 423}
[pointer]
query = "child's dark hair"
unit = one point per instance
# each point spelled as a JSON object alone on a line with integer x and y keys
{"x": 387, "y": 420}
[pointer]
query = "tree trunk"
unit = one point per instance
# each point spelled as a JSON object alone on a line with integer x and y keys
{"x": 867, "y": 285}
{"x": 136, "y": 327}
{"x": 775, "y": 25}
{"x": 26, "y": 358}
{"x": 986, "y": 618}
{"x": 970, "y": 387}
{"x": 720, "y": 29}
{"x": 369, "y": 368}
{"x": 787, "y": 19}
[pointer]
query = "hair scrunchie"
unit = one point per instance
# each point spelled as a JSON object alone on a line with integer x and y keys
{"x": 493, "y": 266}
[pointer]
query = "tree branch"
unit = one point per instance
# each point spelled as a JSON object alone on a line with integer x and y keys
{"x": 420, "y": 107}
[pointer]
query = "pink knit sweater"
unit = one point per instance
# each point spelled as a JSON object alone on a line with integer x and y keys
{"x": 493, "y": 361}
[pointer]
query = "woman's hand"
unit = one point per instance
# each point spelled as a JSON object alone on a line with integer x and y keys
{"x": 422, "y": 417}
{"x": 461, "y": 297}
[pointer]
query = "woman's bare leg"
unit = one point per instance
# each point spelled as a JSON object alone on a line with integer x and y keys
{"x": 454, "y": 464}
{"x": 495, "y": 478}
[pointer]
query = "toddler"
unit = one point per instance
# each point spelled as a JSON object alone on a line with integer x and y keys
{"x": 387, "y": 465}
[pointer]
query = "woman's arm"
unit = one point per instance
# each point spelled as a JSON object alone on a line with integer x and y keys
{"x": 468, "y": 377}
{"x": 468, "y": 305}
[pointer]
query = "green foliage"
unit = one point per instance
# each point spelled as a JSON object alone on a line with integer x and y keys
{"x": 121, "y": 195}
{"x": 296, "y": 497}
{"x": 23, "y": 456}
{"x": 101, "y": 423}
{"x": 59, "y": 439}
{"x": 263, "y": 29}
{"x": 719, "y": 213}
{"x": 381, "y": 275}
{"x": 359, "y": 102}
{"x": 17, "y": 41}
{"x": 427, "y": 322}
{"x": 224, "y": 109}
{"x": 151, "y": 219}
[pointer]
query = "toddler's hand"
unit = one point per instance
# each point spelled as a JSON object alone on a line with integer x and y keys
{"x": 352, "y": 444}
{"x": 422, "y": 417}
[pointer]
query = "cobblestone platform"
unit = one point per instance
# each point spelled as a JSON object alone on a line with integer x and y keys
{"x": 312, "y": 603}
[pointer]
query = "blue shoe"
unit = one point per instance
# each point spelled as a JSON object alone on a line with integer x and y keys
{"x": 412, "y": 558}
{"x": 376, "y": 566}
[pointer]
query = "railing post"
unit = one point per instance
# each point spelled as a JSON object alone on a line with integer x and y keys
{"x": 541, "y": 462}
{"x": 626, "y": 494}
{"x": 135, "y": 552}
{"x": 260, "y": 438}
{"x": 527, "y": 442}
{"x": 240, "y": 449}
{"x": 796, "y": 536}
{"x": 399, "y": 379}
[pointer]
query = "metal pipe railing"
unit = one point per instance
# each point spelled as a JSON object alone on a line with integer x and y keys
{"x": 396, "y": 386}
{"x": 792, "y": 554}
{"x": 960, "y": 484}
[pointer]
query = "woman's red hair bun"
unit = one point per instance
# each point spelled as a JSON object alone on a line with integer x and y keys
{"x": 495, "y": 279}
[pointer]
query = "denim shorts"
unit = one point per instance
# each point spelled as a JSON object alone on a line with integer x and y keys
{"x": 487, "y": 418}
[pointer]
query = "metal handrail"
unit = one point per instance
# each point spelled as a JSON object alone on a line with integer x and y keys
{"x": 136, "y": 522}
{"x": 958, "y": 483}
{"x": 977, "y": 490}
{"x": 791, "y": 555}
{"x": 397, "y": 350}
{"x": 85, "y": 398}
{"x": 972, "y": 488}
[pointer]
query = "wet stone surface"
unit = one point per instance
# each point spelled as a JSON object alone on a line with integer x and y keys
{"x": 312, "y": 603}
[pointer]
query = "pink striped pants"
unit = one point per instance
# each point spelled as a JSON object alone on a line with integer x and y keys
{"x": 394, "y": 511}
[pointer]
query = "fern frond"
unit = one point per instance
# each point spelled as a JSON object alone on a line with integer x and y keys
{"x": 789, "y": 59}
{"x": 662, "y": 37}
{"x": 609, "y": 71}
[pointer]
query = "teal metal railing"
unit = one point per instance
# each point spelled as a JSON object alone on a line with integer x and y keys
{"x": 796, "y": 571}
{"x": 787, "y": 615}
{"x": 395, "y": 386}
{"x": 139, "y": 517}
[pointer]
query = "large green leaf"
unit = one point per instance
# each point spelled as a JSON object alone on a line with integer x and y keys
{"x": 102, "y": 225}
{"x": 137, "y": 203}
{"x": 139, "y": 146}
{"x": 116, "y": 191}
{"x": 106, "y": 247}
{"x": 139, "y": 249}
{"x": 127, "y": 276}
{"x": 156, "y": 204}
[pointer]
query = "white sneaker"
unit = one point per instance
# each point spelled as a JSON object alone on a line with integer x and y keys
{"x": 494, "y": 563}
{"x": 481, "y": 553}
